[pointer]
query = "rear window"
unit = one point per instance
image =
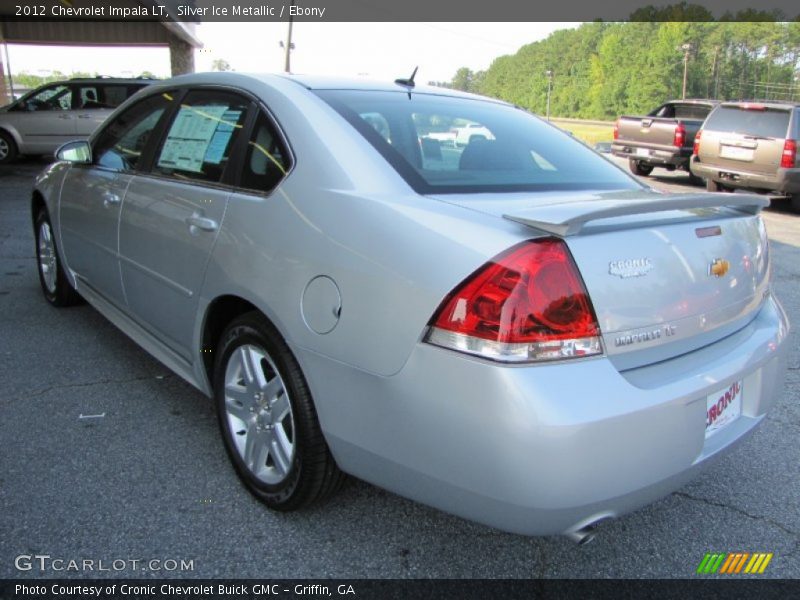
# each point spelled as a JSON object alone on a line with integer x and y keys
{"x": 440, "y": 144}
{"x": 683, "y": 111}
{"x": 772, "y": 123}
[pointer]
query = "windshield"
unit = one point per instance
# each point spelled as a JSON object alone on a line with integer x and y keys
{"x": 765, "y": 123}
{"x": 441, "y": 144}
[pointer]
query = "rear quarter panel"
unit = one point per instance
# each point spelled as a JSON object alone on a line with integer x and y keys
{"x": 344, "y": 212}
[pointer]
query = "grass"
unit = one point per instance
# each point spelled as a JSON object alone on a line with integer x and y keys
{"x": 591, "y": 134}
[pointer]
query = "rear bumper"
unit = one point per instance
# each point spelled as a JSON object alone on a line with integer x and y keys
{"x": 655, "y": 155}
{"x": 546, "y": 449}
{"x": 783, "y": 181}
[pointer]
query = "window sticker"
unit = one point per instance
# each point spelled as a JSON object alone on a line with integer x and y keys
{"x": 190, "y": 136}
{"x": 219, "y": 142}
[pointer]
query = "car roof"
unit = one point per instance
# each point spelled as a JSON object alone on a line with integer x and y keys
{"x": 323, "y": 82}
{"x": 142, "y": 80}
{"x": 777, "y": 104}
{"x": 693, "y": 101}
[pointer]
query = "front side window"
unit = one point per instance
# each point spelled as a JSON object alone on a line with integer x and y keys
{"x": 442, "y": 144}
{"x": 56, "y": 97}
{"x": 202, "y": 135}
{"x": 121, "y": 144}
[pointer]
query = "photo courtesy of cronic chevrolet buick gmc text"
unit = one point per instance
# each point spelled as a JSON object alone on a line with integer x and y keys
{"x": 515, "y": 331}
{"x": 751, "y": 146}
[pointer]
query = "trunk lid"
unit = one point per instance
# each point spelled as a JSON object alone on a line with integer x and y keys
{"x": 666, "y": 274}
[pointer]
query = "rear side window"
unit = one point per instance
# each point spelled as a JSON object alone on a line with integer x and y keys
{"x": 202, "y": 136}
{"x": 771, "y": 123}
{"x": 442, "y": 144}
{"x": 87, "y": 97}
{"x": 120, "y": 145}
{"x": 266, "y": 160}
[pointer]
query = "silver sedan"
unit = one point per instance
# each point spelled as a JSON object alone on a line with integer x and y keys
{"x": 513, "y": 330}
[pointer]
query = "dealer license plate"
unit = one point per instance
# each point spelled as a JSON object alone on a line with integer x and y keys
{"x": 642, "y": 152}
{"x": 723, "y": 408}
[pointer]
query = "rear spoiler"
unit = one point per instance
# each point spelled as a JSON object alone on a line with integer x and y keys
{"x": 568, "y": 218}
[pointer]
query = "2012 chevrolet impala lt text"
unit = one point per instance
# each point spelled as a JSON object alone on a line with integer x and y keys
{"x": 511, "y": 329}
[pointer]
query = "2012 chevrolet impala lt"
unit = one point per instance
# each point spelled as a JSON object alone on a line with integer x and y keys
{"x": 510, "y": 329}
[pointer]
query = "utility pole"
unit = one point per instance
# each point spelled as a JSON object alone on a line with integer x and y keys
{"x": 713, "y": 73}
{"x": 549, "y": 74}
{"x": 687, "y": 48}
{"x": 289, "y": 45}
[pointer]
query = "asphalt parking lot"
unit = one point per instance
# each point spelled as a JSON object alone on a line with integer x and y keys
{"x": 149, "y": 480}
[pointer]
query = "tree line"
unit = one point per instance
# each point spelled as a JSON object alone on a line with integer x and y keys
{"x": 602, "y": 70}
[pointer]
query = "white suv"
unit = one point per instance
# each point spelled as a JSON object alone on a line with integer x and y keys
{"x": 42, "y": 120}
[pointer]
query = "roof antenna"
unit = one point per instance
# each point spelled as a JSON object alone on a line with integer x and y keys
{"x": 408, "y": 82}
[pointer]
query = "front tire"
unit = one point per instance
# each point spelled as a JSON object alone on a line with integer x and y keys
{"x": 639, "y": 168}
{"x": 8, "y": 149}
{"x": 267, "y": 418}
{"x": 56, "y": 287}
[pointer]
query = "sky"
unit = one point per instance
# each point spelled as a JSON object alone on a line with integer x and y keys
{"x": 377, "y": 50}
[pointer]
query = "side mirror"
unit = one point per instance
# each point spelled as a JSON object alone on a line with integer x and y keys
{"x": 79, "y": 152}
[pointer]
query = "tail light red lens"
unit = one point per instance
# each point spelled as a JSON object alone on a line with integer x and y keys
{"x": 528, "y": 304}
{"x": 616, "y": 129}
{"x": 789, "y": 156}
{"x": 696, "y": 147}
{"x": 680, "y": 135}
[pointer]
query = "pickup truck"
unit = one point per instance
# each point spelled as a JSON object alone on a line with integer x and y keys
{"x": 664, "y": 138}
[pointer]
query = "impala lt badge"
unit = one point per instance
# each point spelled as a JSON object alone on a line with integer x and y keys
{"x": 719, "y": 267}
{"x": 630, "y": 267}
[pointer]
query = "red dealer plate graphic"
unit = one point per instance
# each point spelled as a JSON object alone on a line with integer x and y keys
{"x": 723, "y": 407}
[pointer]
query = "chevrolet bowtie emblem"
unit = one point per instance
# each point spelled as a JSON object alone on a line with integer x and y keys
{"x": 719, "y": 267}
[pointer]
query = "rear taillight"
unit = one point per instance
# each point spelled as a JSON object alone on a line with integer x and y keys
{"x": 789, "y": 156}
{"x": 616, "y": 129}
{"x": 680, "y": 135}
{"x": 696, "y": 147}
{"x": 528, "y": 304}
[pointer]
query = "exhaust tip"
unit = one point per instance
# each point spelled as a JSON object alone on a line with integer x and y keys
{"x": 582, "y": 536}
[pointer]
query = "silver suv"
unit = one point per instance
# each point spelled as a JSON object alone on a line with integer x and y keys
{"x": 42, "y": 120}
{"x": 751, "y": 146}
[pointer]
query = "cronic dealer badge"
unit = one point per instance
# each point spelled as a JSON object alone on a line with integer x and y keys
{"x": 630, "y": 267}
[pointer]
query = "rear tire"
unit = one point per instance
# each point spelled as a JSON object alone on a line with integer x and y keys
{"x": 794, "y": 202}
{"x": 639, "y": 168}
{"x": 8, "y": 149}
{"x": 695, "y": 180}
{"x": 713, "y": 186}
{"x": 267, "y": 418}
{"x": 56, "y": 287}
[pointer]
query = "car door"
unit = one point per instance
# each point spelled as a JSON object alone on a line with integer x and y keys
{"x": 92, "y": 197}
{"x": 89, "y": 108}
{"x": 171, "y": 216}
{"x": 45, "y": 119}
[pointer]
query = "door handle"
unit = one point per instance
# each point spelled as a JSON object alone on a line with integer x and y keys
{"x": 64, "y": 116}
{"x": 110, "y": 199}
{"x": 84, "y": 116}
{"x": 196, "y": 222}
